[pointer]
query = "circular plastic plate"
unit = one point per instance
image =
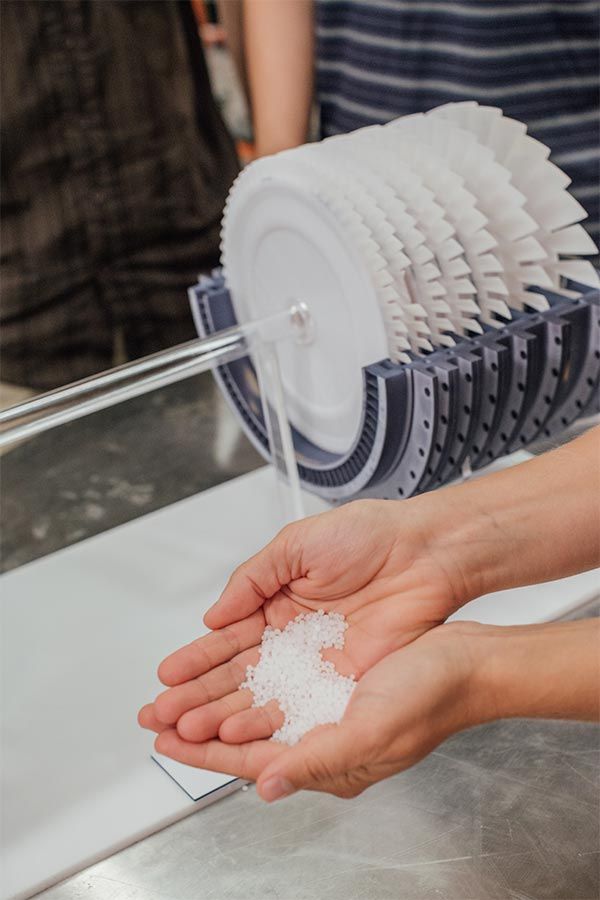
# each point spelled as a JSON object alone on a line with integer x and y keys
{"x": 283, "y": 245}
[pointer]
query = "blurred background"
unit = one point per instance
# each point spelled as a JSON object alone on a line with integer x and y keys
{"x": 124, "y": 123}
{"x": 116, "y": 165}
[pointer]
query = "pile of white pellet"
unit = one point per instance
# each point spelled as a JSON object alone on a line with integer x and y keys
{"x": 292, "y": 671}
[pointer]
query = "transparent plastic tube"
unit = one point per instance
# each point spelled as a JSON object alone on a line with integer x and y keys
{"x": 261, "y": 338}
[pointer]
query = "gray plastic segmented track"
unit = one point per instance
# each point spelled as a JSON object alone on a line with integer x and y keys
{"x": 423, "y": 421}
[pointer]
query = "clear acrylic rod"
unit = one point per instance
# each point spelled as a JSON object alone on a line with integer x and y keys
{"x": 283, "y": 456}
{"x": 191, "y": 350}
{"x": 141, "y": 376}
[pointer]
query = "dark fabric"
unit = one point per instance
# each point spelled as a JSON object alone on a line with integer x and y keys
{"x": 115, "y": 169}
{"x": 536, "y": 59}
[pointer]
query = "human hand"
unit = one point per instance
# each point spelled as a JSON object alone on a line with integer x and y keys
{"x": 393, "y": 569}
{"x": 453, "y": 677}
{"x": 376, "y": 562}
{"x": 403, "y": 707}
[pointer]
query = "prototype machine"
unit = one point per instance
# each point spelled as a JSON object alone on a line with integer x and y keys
{"x": 453, "y": 320}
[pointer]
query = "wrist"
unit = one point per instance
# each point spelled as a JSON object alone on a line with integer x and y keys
{"x": 269, "y": 143}
{"x": 461, "y": 536}
{"x": 534, "y": 671}
{"x": 533, "y": 522}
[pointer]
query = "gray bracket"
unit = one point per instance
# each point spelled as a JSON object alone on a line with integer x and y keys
{"x": 423, "y": 420}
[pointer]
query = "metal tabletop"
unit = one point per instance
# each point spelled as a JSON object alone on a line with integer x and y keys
{"x": 507, "y": 810}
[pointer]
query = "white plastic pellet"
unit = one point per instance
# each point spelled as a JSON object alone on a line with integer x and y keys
{"x": 292, "y": 671}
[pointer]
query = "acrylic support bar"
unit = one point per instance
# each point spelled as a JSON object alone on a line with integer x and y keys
{"x": 260, "y": 338}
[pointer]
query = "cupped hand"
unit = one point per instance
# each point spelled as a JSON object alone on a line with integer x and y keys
{"x": 376, "y": 562}
{"x": 401, "y": 709}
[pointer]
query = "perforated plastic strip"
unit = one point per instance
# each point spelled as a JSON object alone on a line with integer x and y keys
{"x": 423, "y": 420}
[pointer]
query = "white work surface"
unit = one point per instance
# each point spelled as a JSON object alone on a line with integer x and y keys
{"x": 82, "y": 632}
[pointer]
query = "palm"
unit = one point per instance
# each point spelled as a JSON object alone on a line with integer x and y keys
{"x": 390, "y": 592}
{"x": 401, "y": 709}
{"x": 378, "y": 622}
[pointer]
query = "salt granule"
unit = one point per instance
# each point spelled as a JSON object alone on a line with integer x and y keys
{"x": 292, "y": 671}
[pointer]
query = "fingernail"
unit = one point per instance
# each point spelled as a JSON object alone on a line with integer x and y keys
{"x": 275, "y": 788}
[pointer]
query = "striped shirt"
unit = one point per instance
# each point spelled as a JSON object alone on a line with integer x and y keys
{"x": 538, "y": 61}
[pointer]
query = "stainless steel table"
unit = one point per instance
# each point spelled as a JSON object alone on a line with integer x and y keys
{"x": 508, "y": 810}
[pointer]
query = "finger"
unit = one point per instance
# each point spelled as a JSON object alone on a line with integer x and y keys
{"x": 147, "y": 719}
{"x": 225, "y": 679}
{"x": 258, "y": 579}
{"x": 209, "y": 651}
{"x": 203, "y": 723}
{"x": 253, "y": 724}
{"x": 325, "y": 757}
{"x": 241, "y": 760}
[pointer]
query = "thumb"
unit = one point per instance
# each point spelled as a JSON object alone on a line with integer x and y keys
{"x": 257, "y": 579}
{"x": 327, "y": 759}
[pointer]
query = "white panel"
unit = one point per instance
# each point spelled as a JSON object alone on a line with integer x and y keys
{"x": 82, "y": 633}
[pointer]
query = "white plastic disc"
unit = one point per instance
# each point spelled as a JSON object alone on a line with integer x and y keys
{"x": 445, "y": 213}
{"x": 281, "y": 244}
{"x": 395, "y": 230}
{"x": 497, "y": 198}
{"x": 396, "y": 237}
{"x": 547, "y": 201}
